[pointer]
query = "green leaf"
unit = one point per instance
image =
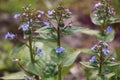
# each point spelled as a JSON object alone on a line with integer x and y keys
{"x": 110, "y": 36}
{"x": 14, "y": 76}
{"x": 32, "y": 68}
{"x": 89, "y": 31}
{"x": 65, "y": 70}
{"x": 46, "y": 33}
{"x": 50, "y": 78}
{"x": 108, "y": 76}
{"x": 101, "y": 77}
{"x": 87, "y": 65}
{"x": 17, "y": 49}
{"x": 69, "y": 59}
{"x": 75, "y": 29}
{"x": 71, "y": 30}
{"x": 111, "y": 64}
{"x": 99, "y": 21}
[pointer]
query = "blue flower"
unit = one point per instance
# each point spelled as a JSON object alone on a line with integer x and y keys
{"x": 41, "y": 12}
{"x": 50, "y": 12}
{"x": 109, "y": 29}
{"x": 30, "y": 79}
{"x": 106, "y": 70}
{"x": 24, "y": 27}
{"x": 46, "y": 23}
{"x": 97, "y": 5}
{"x": 105, "y": 44}
{"x": 59, "y": 49}
{"x": 93, "y": 59}
{"x": 40, "y": 51}
{"x": 94, "y": 48}
{"x": 31, "y": 20}
{"x": 9, "y": 36}
{"x": 16, "y": 16}
{"x": 105, "y": 51}
{"x": 68, "y": 11}
{"x": 111, "y": 12}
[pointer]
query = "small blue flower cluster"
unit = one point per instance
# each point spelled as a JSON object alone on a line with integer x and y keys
{"x": 39, "y": 51}
{"x": 9, "y": 36}
{"x": 40, "y": 11}
{"x": 46, "y": 23}
{"x": 51, "y": 12}
{"x": 59, "y": 49}
{"x": 65, "y": 14}
{"x": 109, "y": 29}
{"x": 101, "y": 47}
{"x": 106, "y": 70}
{"x": 29, "y": 17}
{"x": 16, "y": 16}
{"x": 24, "y": 27}
{"x": 93, "y": 59}
{"x": 30, "y": 79}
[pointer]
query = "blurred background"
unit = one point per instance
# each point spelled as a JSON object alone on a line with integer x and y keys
{"x": 80, "y": 9}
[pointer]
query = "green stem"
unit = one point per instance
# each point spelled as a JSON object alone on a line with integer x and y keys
{"x": 58, "y": 36}
{"x": 101, "y": 62}
{"x": 59, "y": 72}
{"x": 30, "y": 48}
{"x": 59, "y": 44}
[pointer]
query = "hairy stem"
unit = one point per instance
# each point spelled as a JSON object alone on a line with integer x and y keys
{"x": 59, "y": 72}
{"x": 59, "y": 44}
{"x": 100, "y": 65}
{"x": 30, "y": 49}
{"x": 58, "y": 37}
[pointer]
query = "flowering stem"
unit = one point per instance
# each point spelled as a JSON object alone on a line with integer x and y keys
{"x": 30, "y": 48}
{"x": 59, "y": 44}
{"x": 59, "y": 72}
{"x": 58, "y": 36}
{"x": 100, "y": 65}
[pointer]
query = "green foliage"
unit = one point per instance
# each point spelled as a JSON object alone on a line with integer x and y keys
{"x": 5, "y": 62}
{"x": 46, "y": 33}
{"x": 17, "y": 75}
{"x": 47, "y": 38}
{"x": 108, "y": 37}
{"x": 87, "y": 65}
{"x": 111, "y": 64}
{"x": 108, "y": 76}
{"x": 99, "y": 21}
{"x": 16, "y": 50}
{"x": 45, "y": 65}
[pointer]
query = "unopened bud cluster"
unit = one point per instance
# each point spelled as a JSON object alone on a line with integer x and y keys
{"x": 103, "y": 9}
